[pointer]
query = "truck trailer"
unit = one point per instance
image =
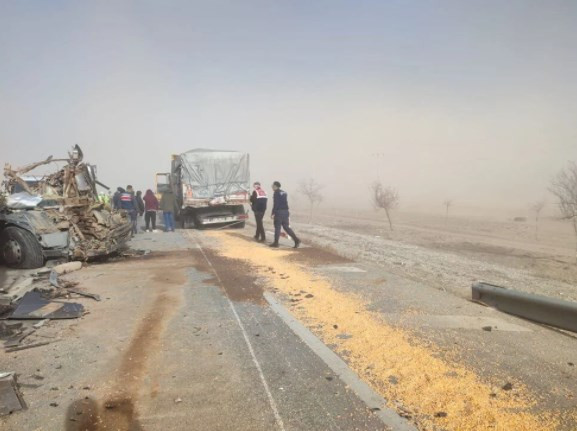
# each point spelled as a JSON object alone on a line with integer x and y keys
{"x": 211, "y": 187}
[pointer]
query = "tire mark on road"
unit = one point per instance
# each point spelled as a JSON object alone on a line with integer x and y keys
{"x": 118, "y": 411}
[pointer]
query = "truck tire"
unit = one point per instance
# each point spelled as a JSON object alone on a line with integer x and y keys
{"x": 20, "y": 248}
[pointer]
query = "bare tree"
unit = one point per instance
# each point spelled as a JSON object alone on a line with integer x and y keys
{"x": 447, "y": 204}
{"x": 312, "y": 190}
{"x": 564, "y": 187}
{"x": 537, "y": 207}
{"x": 386, "y": 198}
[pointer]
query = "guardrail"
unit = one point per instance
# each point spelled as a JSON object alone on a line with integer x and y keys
{"x": 550, "y": 311}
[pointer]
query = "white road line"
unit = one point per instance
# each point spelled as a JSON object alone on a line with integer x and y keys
{"x": 249, "y": 345}
{"x": 373, "y": 400}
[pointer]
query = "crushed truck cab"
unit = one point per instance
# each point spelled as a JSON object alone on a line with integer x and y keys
{"x": 57, "y": 215}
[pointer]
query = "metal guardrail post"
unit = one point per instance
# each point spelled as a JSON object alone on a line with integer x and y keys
{"x": 550, "y": 311}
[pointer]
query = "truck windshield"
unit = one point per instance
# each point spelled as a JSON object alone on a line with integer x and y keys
{"x": 162, "y": 183}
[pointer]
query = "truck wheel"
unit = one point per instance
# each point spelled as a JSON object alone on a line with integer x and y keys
{"x": 20, "y": 248}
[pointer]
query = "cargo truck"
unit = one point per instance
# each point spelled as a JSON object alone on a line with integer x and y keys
{"x": 212, "y": 187}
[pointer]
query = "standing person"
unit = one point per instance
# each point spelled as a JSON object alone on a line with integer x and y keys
{"x": 281, "y": 215}
{"x": 258, "y": 201}
{"x": 168, "y": 205}
{"x": 150, "y": 207}
{"x": 128, "y": 203}
{"x": 139, "y": 203}
{"x": 116, "y": 198}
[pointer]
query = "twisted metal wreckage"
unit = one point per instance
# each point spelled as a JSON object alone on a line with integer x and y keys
{"x": 57, "y": 215}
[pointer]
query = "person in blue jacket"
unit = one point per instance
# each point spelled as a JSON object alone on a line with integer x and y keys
{"x": 281, "y": 215}
{"x": 128, "y": 203}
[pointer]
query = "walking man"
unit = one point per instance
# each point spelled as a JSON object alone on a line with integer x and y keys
{"x": 168, "y": 205}
{"x": 280, "y": 214}
{"x": 258, "y": 201}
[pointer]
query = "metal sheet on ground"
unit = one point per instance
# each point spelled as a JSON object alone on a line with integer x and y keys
{"x": 34, "y": 305}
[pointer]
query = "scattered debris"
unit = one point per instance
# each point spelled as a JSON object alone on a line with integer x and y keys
{"x": 393, "y": 380}
{"x": 507, "y": 386}
{"x": 441, "y": 415}
{"x": 18, "y": 338}
{"x": 66, "y": 268}
{"x": 40, "y": 324}
{"x": 9, "y": 329}
{"x": 309, "y": 295}
{"x": 34, "y": 305}
{"x": 60, "y": 284}
{"x": 135, "y": 253}
{"x": 571, "y": 364}
{"x": 10, "y": 397}
{"x": 487, "y": 328}
{"x": 86, "y": 294}
{"x": 29, "y": 346}
{"x": 178, "y": 401}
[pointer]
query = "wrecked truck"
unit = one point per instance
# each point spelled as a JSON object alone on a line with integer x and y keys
{"x": 211, "y": 187}
{"x": 57, "y": 215}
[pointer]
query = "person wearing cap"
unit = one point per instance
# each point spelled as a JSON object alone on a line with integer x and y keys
{"x": 258, "y": 201}
{"x": 281, "y": 215}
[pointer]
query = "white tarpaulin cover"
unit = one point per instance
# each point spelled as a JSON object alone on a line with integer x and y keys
{"x": 217, "y": 176}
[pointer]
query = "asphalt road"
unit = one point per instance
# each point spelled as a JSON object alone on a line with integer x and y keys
{"x": 183, "y": 340}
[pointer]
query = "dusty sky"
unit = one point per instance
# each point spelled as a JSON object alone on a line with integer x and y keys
{"x": 473, "y": 101}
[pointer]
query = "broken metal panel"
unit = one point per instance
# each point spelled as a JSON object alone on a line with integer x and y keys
{"x": 10, "y": 398}
{"x": 37, "y": 222}
{"x": 35, "y": 306}
{"x": 550, "y": 311}
{"x": 55, "y": 240}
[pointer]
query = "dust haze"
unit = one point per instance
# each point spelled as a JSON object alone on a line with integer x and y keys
{"x": 472, "y": 102}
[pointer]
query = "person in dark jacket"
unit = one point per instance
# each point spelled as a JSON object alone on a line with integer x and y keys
{"x": 139, "y": 203}
{"x": 168, "y": 206}
{"x": 281, "y": 215}
{"x": 258, "y": 201}
{"x": 150, "y": 208}
{"x": 128, "y": 203}
{"x": 116, "y": 198}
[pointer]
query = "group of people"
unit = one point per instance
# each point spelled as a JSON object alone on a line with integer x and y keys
{"x": 148, "y": 205}
{"x": 280, "y": 213}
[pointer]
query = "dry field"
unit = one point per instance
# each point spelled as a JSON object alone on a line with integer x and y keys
{"x": 452, "y": 253}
